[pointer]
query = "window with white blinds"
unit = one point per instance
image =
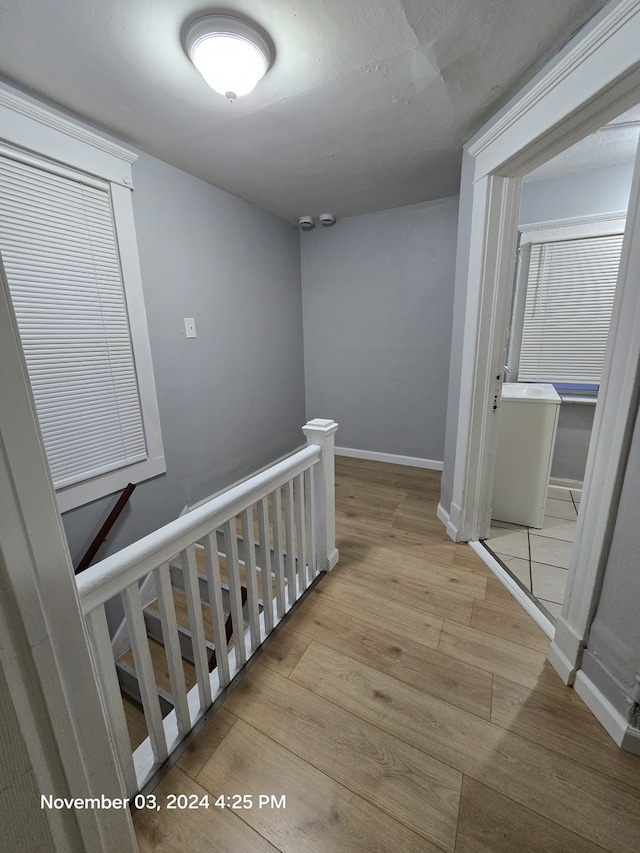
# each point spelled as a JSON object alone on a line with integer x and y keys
{"x": 569, "y": 298}
{"x": 59, "y": 248}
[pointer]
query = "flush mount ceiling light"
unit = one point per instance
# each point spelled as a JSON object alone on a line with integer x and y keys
{"x": 231, "y": 54}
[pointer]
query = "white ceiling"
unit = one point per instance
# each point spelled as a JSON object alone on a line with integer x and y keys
{"x": 366, "y": 106}
{"x": 616, "y": 142}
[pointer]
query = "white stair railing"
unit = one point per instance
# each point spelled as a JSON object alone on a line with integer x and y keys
{"x": 286, "y": 515}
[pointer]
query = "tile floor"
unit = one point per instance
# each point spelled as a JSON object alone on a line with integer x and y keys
{"x": 539, "y": 559}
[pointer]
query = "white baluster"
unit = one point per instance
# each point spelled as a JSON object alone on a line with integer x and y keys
{"x": 235, "y": 595}
{"x": 173, "y": 652}
{"x": 196, "y": 623}
{"x": 111, "y": 695}
{"x": 301, "y": 534}
{"x": 310, "y": 515}
{"x": 321, "y": 432}
{"x": 250, "y": 572}
{"x": 144, "y": 671}
{"x": 290, "y": 560}
{"x": 276, "y": 520}
{"x": 217, "y": 608}
{"x": 265, "y": 565}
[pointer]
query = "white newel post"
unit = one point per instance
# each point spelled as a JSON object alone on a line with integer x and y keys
{"x": 321, "y": 432}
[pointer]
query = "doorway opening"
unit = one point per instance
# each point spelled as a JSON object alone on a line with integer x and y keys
{"x": 570, "y": 230}
{"x": 593, "y": 80}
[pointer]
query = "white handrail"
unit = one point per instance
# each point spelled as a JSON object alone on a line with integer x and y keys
{"x": 301, "y": 543}
{"x": 104, "y": 580}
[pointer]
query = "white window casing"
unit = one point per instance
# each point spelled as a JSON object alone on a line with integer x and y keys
{"x": 68, "y": 244}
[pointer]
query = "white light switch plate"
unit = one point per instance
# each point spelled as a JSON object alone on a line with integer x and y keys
{"x": 190, "y": 327}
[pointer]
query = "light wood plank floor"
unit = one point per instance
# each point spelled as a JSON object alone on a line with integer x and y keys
{"x": 406, "y": 706}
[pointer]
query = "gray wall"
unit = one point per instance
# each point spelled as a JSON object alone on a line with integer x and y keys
{"x": 612, "y": 657}
{"x": 378, "y": 301}
{"x": 597, "y": 191}
{"x": 231, "y": 400}
{"x": 603, "y": 190}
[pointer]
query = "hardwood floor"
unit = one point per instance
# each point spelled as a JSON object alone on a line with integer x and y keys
{"x": 406, "y": 706}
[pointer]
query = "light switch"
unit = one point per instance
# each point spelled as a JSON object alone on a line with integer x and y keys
{"x": 190, "y": 327}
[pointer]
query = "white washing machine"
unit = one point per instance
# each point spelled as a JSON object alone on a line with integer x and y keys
{"x": 526, "y": 439}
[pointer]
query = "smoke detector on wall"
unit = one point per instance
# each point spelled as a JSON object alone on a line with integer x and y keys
{"x": 327, "y": 220}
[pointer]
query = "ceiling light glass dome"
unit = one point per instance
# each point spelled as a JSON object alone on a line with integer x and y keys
{"x": 231, "y": 54}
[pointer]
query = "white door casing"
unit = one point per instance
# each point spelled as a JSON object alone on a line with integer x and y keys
{"x": 43, "y": 643}
{"x": 595, "y": 78}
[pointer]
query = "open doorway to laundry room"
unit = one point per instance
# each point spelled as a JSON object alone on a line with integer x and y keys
{"x": 570, "y": 230}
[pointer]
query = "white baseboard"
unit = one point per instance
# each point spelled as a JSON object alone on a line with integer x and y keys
{"x": 521, "y": 597}
{"x": 610, "y": 718}
{"x": 561, "y": 663}
{"x": 393, "y": 458}
{"x": 445, "y": 518}
{"x": 560, "y": 483}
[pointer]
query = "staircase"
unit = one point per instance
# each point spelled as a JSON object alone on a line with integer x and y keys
{"x": 201, "y": 595}
{"x": 125, "y": 664}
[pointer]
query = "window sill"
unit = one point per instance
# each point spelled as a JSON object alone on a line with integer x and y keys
{"x": 107, "y": 484}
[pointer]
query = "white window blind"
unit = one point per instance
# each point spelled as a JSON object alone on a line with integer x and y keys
{"x": 59, "y": 248}
{"x": 570, "y": 290}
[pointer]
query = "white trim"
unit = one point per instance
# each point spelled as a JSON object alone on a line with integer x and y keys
{"x": 599, "y": 56}
{"x": 106, "y": 579}
{"x": 393, "y": 458}
{"x": 600, "y": 225}
{"x": 569, "y": 485}
{"x": 542, "y": 621}
{"x": 43, "y": 642}
{"x": 43, "y": 116}
{"x": 611, "y": 437}
{"x": 41, "y": 130}
{"x": 595, "y": 78}
{"x": 36, "y": 132}
{"x": 445, "y": 518}
{"x": 615, "y": 724}
{"x": 561, "y": 663}
{"x": 491, "y": 268}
